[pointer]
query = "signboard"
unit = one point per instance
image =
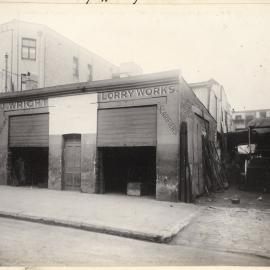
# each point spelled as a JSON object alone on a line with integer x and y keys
{"x": 137, "y": 93}
{"x": 22, "y": 105}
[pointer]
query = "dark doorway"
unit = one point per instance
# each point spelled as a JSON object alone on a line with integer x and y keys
{"x": 29, "y": 166}
{"x": 72, "y": 162}
{"x": 122, "y": 165}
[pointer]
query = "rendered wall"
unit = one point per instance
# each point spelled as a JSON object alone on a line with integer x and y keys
{"x": 54, "y": 57}
{"x": 167, "y": 149}
{"x": 194, "y": 113}
{"x": 67, "y": 115}
{"x": 63, "y": 50}
{"x": 203, "y": 95}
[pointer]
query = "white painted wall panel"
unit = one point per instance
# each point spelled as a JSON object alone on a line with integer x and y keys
{"x": 73, "y": 114}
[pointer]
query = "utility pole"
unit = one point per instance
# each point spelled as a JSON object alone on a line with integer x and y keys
{"x": 11, "y": 63}
{"x": 6, "y": 71}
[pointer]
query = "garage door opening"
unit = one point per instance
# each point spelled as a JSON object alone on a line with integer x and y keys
{"x": 122, "y": 165}
{"x": 29, "y": 166}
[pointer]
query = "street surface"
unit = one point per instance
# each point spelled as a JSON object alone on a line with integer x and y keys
{"x": 229, "y": 229}
{"x": 225, "y": 226}
{"x": 248, "y": 199}
{"x": 30, "y": 244}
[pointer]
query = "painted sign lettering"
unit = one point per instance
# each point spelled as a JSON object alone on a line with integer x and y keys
{"x": 25, "y": 104}
{"x": 137, "y": 93}
{"x": 171, "y": 125}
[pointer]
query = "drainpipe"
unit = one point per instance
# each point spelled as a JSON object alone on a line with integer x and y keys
{"x": 6, "y": 70}
{"x": 18, "y": 55}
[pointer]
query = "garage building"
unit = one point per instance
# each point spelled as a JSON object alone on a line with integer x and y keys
{"x": 142, "y": 133}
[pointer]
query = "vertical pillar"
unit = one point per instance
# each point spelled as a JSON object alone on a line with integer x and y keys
{"x": 88, "y": 163}
{"x": 3, "y": 148}
{"x": 55, "y": 162}
{"x": 168, "y": 148}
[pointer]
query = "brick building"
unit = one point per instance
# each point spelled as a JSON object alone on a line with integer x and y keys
{"x": 100, "y": 136}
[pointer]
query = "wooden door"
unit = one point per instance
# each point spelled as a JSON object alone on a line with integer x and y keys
{"x": 196, "y": 157}
{"x": 72, "y": 162}
{"x": 200, "y": 129}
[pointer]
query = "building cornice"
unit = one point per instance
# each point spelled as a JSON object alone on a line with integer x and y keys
{"x": 154, "y": 79}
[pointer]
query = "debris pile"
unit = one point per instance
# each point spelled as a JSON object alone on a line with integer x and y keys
{"x": 214, "y": 170}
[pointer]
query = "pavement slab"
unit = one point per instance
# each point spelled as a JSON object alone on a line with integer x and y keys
{"x": 134, "y": 217}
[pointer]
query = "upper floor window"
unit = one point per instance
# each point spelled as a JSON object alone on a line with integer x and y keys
{"x": 263, "y": 114}
{"x": 28, "y": 49}
{"x": 90, "y": 72}
{"x": 75, "y": 67}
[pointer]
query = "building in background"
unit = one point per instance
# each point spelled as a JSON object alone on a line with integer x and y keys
{"x": 242, "y": 118}
{"x": 127, "y": 69}
{"x": 214, "y": 98}
{"x": 34, "y": 56}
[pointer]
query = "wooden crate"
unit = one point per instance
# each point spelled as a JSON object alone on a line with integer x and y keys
{"x": 134, "y": 189}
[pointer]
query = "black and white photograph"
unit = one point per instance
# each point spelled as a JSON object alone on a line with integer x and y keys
{"x": 134, "y": 133}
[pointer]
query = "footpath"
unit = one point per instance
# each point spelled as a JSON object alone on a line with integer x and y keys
{"x": 132, "y": 217}
{"x": 241, "y": 229}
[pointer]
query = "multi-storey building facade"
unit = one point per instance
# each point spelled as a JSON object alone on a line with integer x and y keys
{"x": 242, "y": 118}
{"x": 214, "y": 98}
{"x": 34, "y": 56}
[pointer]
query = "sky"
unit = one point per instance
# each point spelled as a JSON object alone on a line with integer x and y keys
{"x": 229, "y": 43}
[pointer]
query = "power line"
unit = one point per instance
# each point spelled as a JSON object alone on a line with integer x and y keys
{"x": 3, "y": 70}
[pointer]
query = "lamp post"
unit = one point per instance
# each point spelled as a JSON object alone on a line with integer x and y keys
{"x": 11, "y": 57}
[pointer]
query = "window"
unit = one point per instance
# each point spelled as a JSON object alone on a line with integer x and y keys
{"x": 75, "y": 68}
{"x": 28, "y": 49}
{"x": 90, "y": 73}
{"x": 263, "y": 114}
{"x": 238, "y": 117}
{"x": 250, "y": 117}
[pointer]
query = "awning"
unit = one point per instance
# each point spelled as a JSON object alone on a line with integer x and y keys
{"x": 259, "y": 123}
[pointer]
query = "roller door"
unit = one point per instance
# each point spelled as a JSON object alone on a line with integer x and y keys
{"x": 134, "y": 126}
{"x": 29, "y": 130}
